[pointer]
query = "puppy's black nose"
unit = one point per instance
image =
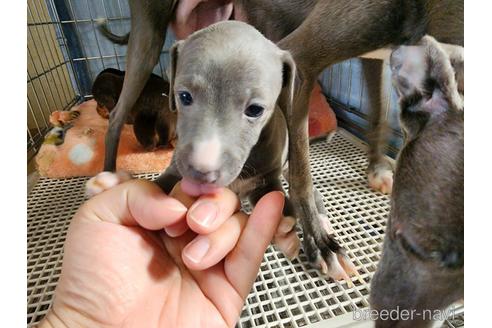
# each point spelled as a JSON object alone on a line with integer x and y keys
{"x": 203, "y": 177}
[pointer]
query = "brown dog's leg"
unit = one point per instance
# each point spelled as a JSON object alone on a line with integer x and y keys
{"x": 379, "y": 170}
{"x": 149, "y": 20}
{"x": 145, "y": 130}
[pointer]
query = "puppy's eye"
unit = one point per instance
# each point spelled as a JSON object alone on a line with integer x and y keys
{"x": 185, "y": 98}
{"x": 254, "y": 111}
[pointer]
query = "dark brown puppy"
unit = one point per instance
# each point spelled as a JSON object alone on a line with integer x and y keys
{"x": 318, "y": 34}
{"x": 154, "y": 124}
{"x": 421, "y": 270}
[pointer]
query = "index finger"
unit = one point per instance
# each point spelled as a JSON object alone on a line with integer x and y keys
{"x": 246, "y": 257}
{"x": 135, "y": 202}
{"x": 207, "y": 213}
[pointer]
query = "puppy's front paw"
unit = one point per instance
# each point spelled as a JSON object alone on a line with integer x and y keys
{"x": 380, "y": 177}
{"x": 286, "y": 237}
{"x": 325, "y": 223}
{"x": 324, "y": 251}
{"x": 105, "y": 180}
{"x": 337, "y": 266}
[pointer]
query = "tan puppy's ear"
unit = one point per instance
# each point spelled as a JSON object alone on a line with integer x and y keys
{"x": 173, "y": 60}
{"x": 286, "y": 97}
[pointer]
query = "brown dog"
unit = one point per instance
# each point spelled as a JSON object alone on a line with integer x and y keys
{"x": 317, "y": 34}
{"x": 421, "y": 271}
{"x": 154, "y": 124}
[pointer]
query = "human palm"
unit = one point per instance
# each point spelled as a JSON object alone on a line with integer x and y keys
{"x": 118, "y": 273}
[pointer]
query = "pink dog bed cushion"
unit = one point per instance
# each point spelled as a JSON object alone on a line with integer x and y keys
{"x": 82, "y": 153}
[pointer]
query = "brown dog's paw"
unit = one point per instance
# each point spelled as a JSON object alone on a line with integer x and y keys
{"x": 105, "y": 180}
{"x": 380, "y": 178}
{"x": 286, "y": 237}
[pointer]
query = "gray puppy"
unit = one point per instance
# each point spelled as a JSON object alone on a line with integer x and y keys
{"x": 227, "y": 81}
{"x": 421, "y": 270}
{"x": 228, "y": 84}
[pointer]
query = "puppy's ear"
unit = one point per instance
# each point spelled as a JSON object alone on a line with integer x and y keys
{"x": 426, "y": 83}
{"x": 173, "y": 60}
{"x": 286, "y": 96}
{"x": 457, "y": 57}
{"x": 441, "y": 79}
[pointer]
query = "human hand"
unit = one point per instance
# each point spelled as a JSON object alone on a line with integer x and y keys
{"x": 122, "y": 269}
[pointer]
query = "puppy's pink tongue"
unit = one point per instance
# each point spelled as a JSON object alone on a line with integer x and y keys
{"x": 196, "y": 189}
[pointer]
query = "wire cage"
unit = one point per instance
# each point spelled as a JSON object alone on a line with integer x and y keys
{"x": 346, "y": 88}
{"x": 66, "y": 52}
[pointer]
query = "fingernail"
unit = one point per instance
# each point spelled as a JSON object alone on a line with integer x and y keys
{"x": 174, "y": 231}
{"x": 286, "y": 226}
{"x": 197, "y": 249}
{"x": 174, "y": 205}
{"x": 204, "y": 212}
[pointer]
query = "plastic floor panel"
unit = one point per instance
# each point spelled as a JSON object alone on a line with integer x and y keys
{"x": 285, "y": 293}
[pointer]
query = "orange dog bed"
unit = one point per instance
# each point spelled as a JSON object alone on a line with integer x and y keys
{"x": 82, "y": 151}
{"x": 322, "y": 119}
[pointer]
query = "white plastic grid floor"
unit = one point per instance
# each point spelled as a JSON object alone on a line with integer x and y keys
{"x": 285, "y": 293}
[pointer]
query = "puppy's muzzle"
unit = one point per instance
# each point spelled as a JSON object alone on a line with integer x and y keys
{"x": 203, "y": 176}
{"x": 203, "y": 160}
